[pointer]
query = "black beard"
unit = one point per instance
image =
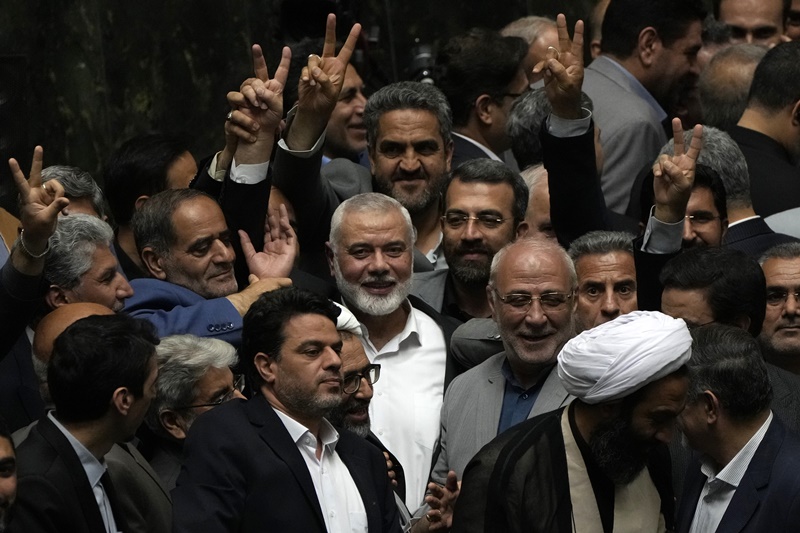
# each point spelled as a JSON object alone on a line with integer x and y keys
{"x": 618, "y": 452}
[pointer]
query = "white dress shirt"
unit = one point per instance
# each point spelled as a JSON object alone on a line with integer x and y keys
{"x": 720, "y": 486}
{"x": 341, "y": 503}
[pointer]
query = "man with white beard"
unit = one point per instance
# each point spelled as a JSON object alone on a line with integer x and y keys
{"x": 370, "y": 253}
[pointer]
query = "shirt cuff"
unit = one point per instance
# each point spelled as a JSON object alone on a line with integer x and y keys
{"x": 249, "y": 174}
{"x": 305, "y": 154}
{"x": 215, "y": 173}
{"x": 563, "y": 127}
{"x": 662, "y": 237}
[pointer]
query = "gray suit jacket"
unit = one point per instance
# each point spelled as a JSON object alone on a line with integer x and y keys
{"x": 632, "y": 134}
{"x": 475, "y": 341}
{"x": 471, "y": 413}
{"x": 429, "y": 287}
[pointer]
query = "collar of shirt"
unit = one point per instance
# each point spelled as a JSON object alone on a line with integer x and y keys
{"x": 489, "y": 153}
{"x": 327, "y": 434}
{"x": 436, "y": 255}
{"x": 94, "y": 469}
{"x": 638, "y": 89}
{"x": 732, "y": 224}
{"x": 410, "y": 334}
{"x": 733, "y": 472}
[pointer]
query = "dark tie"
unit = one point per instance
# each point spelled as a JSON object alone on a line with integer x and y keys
{"x": 113, "y": 502}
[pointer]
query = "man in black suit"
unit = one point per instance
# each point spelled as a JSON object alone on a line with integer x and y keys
{"x": 274, "y": 463}
{"x": 101, "y": 377}
{"x": 748, "y": 476}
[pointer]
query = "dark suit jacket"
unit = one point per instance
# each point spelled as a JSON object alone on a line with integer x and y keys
{"x": 774, "y": 179}
{"x": 20, "y": 298}
{"x": 754, "y": 237}
{"x": 243, "y": 472}
{"x": 464, "y": 150}
{"x": 768, "y": 497}
{"x": 20, "y": 400}
{"x": 53, "y": 492}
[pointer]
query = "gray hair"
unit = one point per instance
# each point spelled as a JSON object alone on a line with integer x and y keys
{"x": 524, "y": 125}
{"x": 78, "y": 183}
{"x": 725, "y": 83}
{"x": 528, "y": 28}
{"x": 788, "y": 250}
{"x": 368, "y": 202}
{"x": 152, "y": 224}
{"x": 72, "y": 246}
{"x": 183, "y": 360}
{"x": 601, "y": 243}
{"x": 535, "y": 247}
{"x": 407, "y": 95}
{"x": 724, "y": 156}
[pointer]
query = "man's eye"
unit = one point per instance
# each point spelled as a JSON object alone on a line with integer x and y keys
{"x": 592, "y": 291}
{"x": 625, "y": 289}
{"x": 360, "y": 254}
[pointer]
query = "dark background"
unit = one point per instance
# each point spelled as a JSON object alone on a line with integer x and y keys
{"x": 81, "y": 77}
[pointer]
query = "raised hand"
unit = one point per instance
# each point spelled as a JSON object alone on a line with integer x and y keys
{"x": 563, "y": 71}
{"x": 280, "y": 248}
{"x": 442, "y": 501}
{"x": 673, "y": 177}
{"x": 262, "y": 95}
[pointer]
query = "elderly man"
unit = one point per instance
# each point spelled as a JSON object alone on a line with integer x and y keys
{"x": 531, "y": 291}
{"x": 601, "y": 463}
{"x": 748, "y": 477}
{"x": 101, "y": 378}
{"x": 274, "y": 462}
{"x": 84, "y": 195}
{"x": 186, "y": 246}
{"x": 370, "y": 256}
{"x": 539, "y": 33}
{"x": 194, "y": 376}
{"x": 484, "y": 209}
{"x": 780, "y": 334}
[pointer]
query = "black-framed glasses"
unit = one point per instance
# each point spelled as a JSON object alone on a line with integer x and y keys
{"x": 352, "y": 382}
{"x": 238, "y": 385}
{"x": 522, "y": 301}
{"x": 776, "y": 297}
{"x": 701, "y": 219}
{"x": 457, "y": 220}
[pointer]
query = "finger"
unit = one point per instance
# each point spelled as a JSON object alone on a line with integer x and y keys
{"x": 56, "y": 207}
{"x": 19, "y": 178}
{"x": 329, "y": 48}
{"x": 237, "y": 99}
{"x": 677, "y": 136}
{"x": 658, "y": 166}
{"x": 697, "y": 142}
{"x": 55, "y": 189}
{"x": 274, "y": 225}
{"x": 35, "y": 177}
{"x": 259, "y": 64}
{"x": 349, "y": 45}
{"x": 243, "y": 121}
{"x": 249, "y": 97}
{"x": 247, "y": 246}
{"x": 451, "y": 483}
{"x": 564, "y": 44}
{"x": 283, "y": 68}
{"x": 240, "y": 132}
{"x": 577, "y": 42}
{"x": 252, "y": 278}
{"x": 314, "y": 61}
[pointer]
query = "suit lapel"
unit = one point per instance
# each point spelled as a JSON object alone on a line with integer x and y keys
{"x": 360, "y": 472}
{"x": 80, "y": 483}
{"x": 551, "y": 396}
{"x": 274, "y": 434}
{"x": 490, "y": 402}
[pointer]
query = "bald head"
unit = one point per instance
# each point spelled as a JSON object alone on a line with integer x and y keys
{"x": 55, "y": 322}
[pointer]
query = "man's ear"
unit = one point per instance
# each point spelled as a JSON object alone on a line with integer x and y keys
{"x": 522, "y": 229}
{"x": 490, "y": 297}
{"x": 172, "y": 423}
{"x": 137, "y": 205}
{"x": 742, "y": 321}
{"x": 56, "y": 297}
{"x": 154, "y": 263}
{"x": 711, "y": 406}
{"x": 331, "y": 258}
{"x": 796, "y": 114}
{"x": 371, "y": 157}
{"x": 484, "y": 105}
{"x": 265, "y": 365}
{"x": 122, "y": 400}
{"x": 649, "y": 43}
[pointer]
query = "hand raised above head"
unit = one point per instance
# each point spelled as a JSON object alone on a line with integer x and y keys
{"x": 261, "y": 95}
{"x": 673, "y": 176}
{"x": 563, "y": 71}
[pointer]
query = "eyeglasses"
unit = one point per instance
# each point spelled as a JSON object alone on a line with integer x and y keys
{"x": 457, "y": 220}
{"x": 238, "y": 385}
{"x": 522, "y": 301}
{"x": 352, "y": 382}
{"x": 701, "y": 219}
{"x": 778, "y": 297}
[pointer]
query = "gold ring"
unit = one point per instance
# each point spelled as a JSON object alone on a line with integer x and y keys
{"x": 229, "y": 115}
{"x": 44, "y": 186}
{"x": 554, "y": 49}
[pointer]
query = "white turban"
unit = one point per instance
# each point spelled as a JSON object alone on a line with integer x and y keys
{"x": 347, "y": 321}
{"x": 617, "y": 358}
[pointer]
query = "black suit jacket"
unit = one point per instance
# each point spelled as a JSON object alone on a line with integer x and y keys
{"x": 243, "y": 472}
{"x": 20, "y": 400}
{"x": 754, "y": 237}
{"x": 53, "y": 492}
{"x": 464, "y": 150}
{"x": 768, "y": 497}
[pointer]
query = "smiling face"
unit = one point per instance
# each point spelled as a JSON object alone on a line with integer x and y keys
{"x": 676, "y": 65}
{"x": 346, "y": 135}
{"x": 372, "y": 262}
{"x": 781, "y": 331}
{"x": 102, "y": 284}
{"x": 353, "y": 413}
{"x": 706, "y": 228}
{"x": 410, "y": 160}
{"x": 201, "y": 258}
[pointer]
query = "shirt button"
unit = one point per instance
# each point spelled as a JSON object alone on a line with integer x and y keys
{"x": 380, "y": 432}
{"x": 525, "y": 396}
{"x": 332, "y": 514}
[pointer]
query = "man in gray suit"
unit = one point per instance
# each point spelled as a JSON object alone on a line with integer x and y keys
{"x": 649, "y": 51}
{"x": 531, "y": 291}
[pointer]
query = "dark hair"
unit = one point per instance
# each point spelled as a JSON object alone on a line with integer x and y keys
{"x": 785, "y": 4}
{"x": 139, "y": 168}
{"x": 478, "y": 62}
{"x": 727, "y": 361}
{"x": 5, "y": 433}
{"x": 734, "y": 282}
{"x": 95, "y": 356}
{"x": 263, "y": 324}
{"x": 601, "y": 242}
{"x": 625, "y": 20}
{"x": 776, "y": 81}
{"x": 489, "y": 171}
{"x": 524, "y": 125}
{"x": 705, "y": 176}
{"x": 152, "y": 224}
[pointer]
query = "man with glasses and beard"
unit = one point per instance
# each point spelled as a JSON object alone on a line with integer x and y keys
{"x": 602, "y": 462}
{"x": 370, "y": 255}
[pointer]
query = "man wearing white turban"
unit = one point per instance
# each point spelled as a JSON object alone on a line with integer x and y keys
{"x": 601, "y": 464}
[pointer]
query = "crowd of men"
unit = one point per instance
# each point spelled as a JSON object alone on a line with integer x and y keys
{"x": 532, "y": 296}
